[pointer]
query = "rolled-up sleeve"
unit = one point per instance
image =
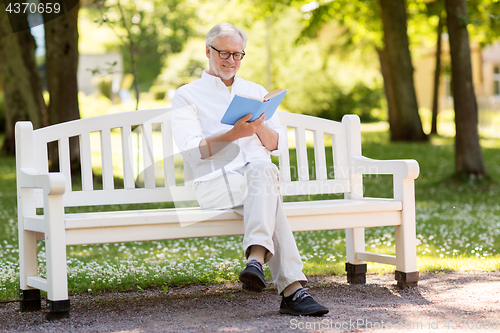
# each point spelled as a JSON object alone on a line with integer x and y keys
{"x": 274, "y": 124}
{"x": 187, "y": 130}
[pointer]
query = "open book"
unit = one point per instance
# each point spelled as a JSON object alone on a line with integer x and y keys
{"x": 242, "y": 105}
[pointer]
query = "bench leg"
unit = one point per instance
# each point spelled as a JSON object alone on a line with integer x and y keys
{"x": 356, "y": 274}
{"x": 356, "y": 269}
{"x": 406, "y": 279}
{"x": 55, "y": 247}
{"x": 28, "y": 258}
{"x": 58, "y": 310}
{"x": 406, "y": 238}
{"x": 30, "y": 300}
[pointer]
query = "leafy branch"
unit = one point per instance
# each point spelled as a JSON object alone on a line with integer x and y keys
{"x": 128, "y": 40}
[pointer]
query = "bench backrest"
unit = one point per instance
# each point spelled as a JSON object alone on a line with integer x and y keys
{"x": 148, "y": 157}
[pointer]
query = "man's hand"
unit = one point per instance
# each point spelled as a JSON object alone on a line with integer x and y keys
{"x": 242, "y": 128}
{"x": 268, "y": 137}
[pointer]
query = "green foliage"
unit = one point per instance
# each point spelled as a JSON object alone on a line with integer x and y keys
{"x": 321, "y": 77}
{"x": 330, "y": 85}
{"x": 324, "y": 98}
{"x": 360, "y": 19}
{"x": 185, "y": 66}
{"x": 484, "y": 20}
{"x": 104, "y": 84}
{"x": 158, "y": 29}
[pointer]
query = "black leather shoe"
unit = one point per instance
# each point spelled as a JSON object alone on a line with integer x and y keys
{"x": 301, "y": 303}
{"x": 253, "y": 276}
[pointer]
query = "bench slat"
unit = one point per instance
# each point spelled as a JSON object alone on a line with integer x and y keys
{"x": 190, "y": 215}
{"x": 127, "y": 156}
{"x": 64, "y": 161}
{"x": 40, "y": 156}
{"x": 284, "y": 163}
{"x": 301, "y": 149}
{"x": 35, "y": 223}
{"x": 148, "y": 155}
{"x": 95, "y": 124}
{"x": 150, "y": 232}
{"x": 315, "y": 187}
{"x": 319, "y": 155}
{"x": 128, "y": 196}
{"x": 376, "y": 257}
{"x": 107, "y": 160}
{"x": 340, "y": 158}
{"x": 168, "y": 154}
{"x": 86, "y": 162}
{"x": 107, "y": 227}
{"x": 310, "y": 122}
{"x": 37, "y": 282}
{"x": 133, "y": 233}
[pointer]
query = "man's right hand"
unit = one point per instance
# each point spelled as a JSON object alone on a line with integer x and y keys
{"x": 242, "y": 128}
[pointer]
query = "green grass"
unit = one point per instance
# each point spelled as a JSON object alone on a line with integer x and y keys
{"x": 458, "y": 229}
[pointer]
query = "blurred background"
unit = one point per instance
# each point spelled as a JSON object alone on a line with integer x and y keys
{"x": 387, "y": 61}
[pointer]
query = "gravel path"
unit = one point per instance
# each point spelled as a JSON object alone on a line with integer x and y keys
{"x": 447, "y": 302}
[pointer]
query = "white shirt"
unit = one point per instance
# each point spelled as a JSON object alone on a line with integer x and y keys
{"x": 198, "y": 108}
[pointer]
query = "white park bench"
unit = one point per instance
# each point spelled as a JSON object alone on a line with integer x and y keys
{"x": 38, "y": 189}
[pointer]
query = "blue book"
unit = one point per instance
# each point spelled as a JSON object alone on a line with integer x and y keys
{"x": 242, "y": 105}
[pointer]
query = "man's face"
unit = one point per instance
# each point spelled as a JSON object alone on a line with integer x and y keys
{"x": 225, "y": 69}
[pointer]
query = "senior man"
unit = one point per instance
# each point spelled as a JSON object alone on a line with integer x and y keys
{"x": 233, "y": 170}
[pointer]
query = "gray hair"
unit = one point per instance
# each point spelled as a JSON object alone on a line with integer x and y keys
{"x": 224, "y": 29}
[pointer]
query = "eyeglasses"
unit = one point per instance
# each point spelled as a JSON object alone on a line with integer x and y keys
{"x": 225, "y": 55}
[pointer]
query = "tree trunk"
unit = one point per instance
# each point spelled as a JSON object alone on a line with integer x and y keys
{"x": 389, "y": 92}
{"x": 20, "y": 80}
{"x": 437, "y": 77}
{"x": 61, "y": 42}
{"x": 407, "y": 125}
{"x": 468, "y": 155}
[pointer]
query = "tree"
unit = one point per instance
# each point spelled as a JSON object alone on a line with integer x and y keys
{"x": 437, "y": 77}
{"x": 468, "y": 155}
{"x": 405, "y": 122}
{"x": 20, "y": 80}
{"x": 436, "y": 9}
{"x": 383, "y": 26}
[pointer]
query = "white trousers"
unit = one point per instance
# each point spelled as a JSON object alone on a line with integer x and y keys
{"x": 253, "y": 192}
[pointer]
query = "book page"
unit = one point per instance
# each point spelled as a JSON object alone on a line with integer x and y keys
{"x": 272, "y": 94}
{"x": 246, "y": 96}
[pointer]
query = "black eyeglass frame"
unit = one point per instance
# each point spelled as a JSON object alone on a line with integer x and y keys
{"x": 230, "y": 54}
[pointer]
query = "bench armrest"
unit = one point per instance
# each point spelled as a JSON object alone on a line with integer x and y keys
{"x": 404, "y": 174}
{"x": 402, "y": 169}
{"x": 52, "y": 183}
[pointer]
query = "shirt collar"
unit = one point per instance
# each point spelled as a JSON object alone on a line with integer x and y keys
{"x": 215, "y": 80}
